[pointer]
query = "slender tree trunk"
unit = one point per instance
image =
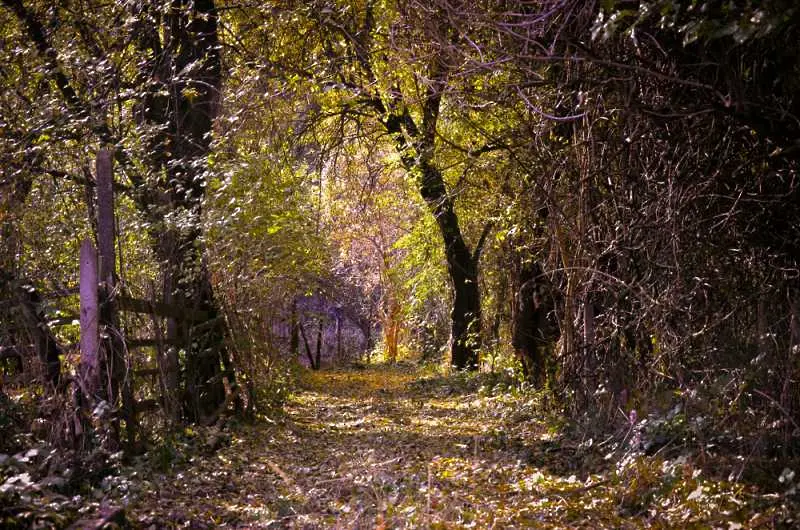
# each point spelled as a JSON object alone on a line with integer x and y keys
{"x": 499, "y": 307}
{"x": 308, "y": 348}
{"x": 294, "y": 339}
{"x": 338, "y": 337}
{"x": 391, "y": 328}
{"x": 368, "y": 343}
{"x": 318, "y": 359}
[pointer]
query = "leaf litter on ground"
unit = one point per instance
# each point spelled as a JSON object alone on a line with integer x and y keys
{"x": 385, "y": 448}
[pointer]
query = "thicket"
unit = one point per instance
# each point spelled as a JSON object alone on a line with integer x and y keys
{"x": 602, "y": 196}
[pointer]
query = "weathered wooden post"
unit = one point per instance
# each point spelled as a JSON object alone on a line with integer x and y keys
{"x": 89, "y": 376}
{"x": 115, "y": 358}
{"x": 102, "y": 352}
{"x": 105, "y": 218}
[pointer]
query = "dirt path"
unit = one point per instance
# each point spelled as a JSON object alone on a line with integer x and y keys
{"x": 378, "y": 449}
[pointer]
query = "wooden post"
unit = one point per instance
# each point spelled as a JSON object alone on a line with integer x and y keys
{"x": 90, "y": 335}
{"x": 115, "y": 360}
{"x": 105, "y": 218}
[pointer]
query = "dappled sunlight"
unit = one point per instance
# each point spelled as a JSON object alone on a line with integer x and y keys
{"x": 399, "y": 264}
{"x": 358, "y": 383}
{"x": 350, "y": 456}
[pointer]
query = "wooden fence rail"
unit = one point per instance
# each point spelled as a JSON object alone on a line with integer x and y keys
{"x": 100, "y": 307}
{"x": 105, "y": 353}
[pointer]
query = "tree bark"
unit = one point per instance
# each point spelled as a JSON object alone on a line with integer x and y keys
{"x": 182, "y": 109}
{"x": 318, "y": 359}
{"x": 462, "y": 266}
{"x": 308, "y": 348}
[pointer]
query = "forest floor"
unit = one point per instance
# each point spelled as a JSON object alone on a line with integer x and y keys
{"x": 389, "y": 448}
{"x": 381, "y": 448}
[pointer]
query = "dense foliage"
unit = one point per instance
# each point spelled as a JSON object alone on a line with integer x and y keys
{"x": 599, "y": 198}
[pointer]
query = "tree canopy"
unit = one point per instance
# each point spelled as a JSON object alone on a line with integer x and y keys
{"x": 598, "y": 199}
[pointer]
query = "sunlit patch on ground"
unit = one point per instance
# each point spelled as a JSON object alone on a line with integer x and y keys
{"x": 377, "y": 448}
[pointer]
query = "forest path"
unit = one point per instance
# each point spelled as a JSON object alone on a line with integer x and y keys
{"x": 382, "y": 448}
{"x": 373, "y": 448}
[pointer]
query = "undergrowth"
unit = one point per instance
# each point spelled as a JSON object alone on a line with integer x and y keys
{"x": 394, "y": 447}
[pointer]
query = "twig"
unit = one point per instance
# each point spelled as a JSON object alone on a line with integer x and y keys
{"x": 777, "y": 405}
{"x": 285, "y": 477}
{"x": 584, "y": 489}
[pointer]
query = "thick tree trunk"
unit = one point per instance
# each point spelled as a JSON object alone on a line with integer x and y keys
{"x": 206, "y": 357}
{"x": 533, "y": 326}
{"x": 466, "y": 318}
{"x": 182, "y": 109}
{"x": 200, "y": 369}
{"x": 462, "y": 267}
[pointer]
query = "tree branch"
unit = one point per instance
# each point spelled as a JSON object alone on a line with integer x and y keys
{"x": 476, "y": 254}
{"x": 36, "y": 33}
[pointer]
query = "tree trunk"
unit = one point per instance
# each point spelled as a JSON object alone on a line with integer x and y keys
{"x": 338, "y": 337}
{"x": 186, "y": 285}
{"x": 318, "y": 359}
{"x": 391, "y": 328}
{"x": 181, "y": 109}
{"x": 368, "y": 343}
{"x": 308, "y": 348}
{"x": 499, "y": 308}
{"x": 534, "y": 327}
{"x": 294, "y": 339}
{"x": 462, "y": 266}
